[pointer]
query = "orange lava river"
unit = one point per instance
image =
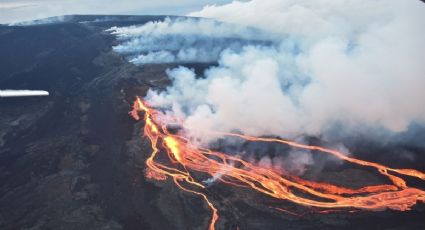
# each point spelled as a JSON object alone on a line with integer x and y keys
{"x": 185, "y": 158}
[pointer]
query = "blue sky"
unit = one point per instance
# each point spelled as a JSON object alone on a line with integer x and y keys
{"x": 20, "y": 10}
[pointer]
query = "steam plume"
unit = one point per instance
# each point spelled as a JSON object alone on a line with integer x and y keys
{"x": 351, "y": 62}
{"x": 291, "y": 68}
{"x": 183, "y": 40}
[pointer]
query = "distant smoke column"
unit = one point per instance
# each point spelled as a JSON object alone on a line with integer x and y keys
{"x": 23, "y": 93}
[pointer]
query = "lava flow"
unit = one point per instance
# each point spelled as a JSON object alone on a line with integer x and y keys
{"x": 184, "y": 158}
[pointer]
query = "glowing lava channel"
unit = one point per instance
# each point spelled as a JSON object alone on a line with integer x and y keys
{"x": 185, "y": 157}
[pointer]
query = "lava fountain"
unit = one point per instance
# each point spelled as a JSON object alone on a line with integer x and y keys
{"x": 185, "y": 158}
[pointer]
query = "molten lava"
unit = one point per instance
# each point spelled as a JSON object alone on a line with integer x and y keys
{"x": 184, "y": 158}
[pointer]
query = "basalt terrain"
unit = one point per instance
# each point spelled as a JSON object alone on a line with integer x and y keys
{"x": 76, "y": 159}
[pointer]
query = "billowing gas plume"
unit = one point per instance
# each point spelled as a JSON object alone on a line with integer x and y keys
{"x": 318, "y": 69}
{"x": 351, "y": 62}
{"x": 296, "y": 68}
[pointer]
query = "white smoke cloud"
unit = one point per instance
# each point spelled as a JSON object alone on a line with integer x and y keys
{"x": 183, "y": 40}
{"x": 296, "y": 162}
{"x": 356, "y": 63}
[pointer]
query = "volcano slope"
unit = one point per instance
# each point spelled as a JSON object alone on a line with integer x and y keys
{"x": 75, "y": 159}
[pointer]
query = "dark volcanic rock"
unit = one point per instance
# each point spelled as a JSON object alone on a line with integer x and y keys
{"x": 63, "y": 159}
{"x": 75, "y": 159}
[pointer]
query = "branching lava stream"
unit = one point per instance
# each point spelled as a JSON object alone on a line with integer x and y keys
{"x": 185, "y": 158}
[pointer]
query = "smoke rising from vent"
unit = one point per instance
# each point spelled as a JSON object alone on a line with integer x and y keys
{"x": 352, "y": 63}
{"x": 348, "y": 64}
